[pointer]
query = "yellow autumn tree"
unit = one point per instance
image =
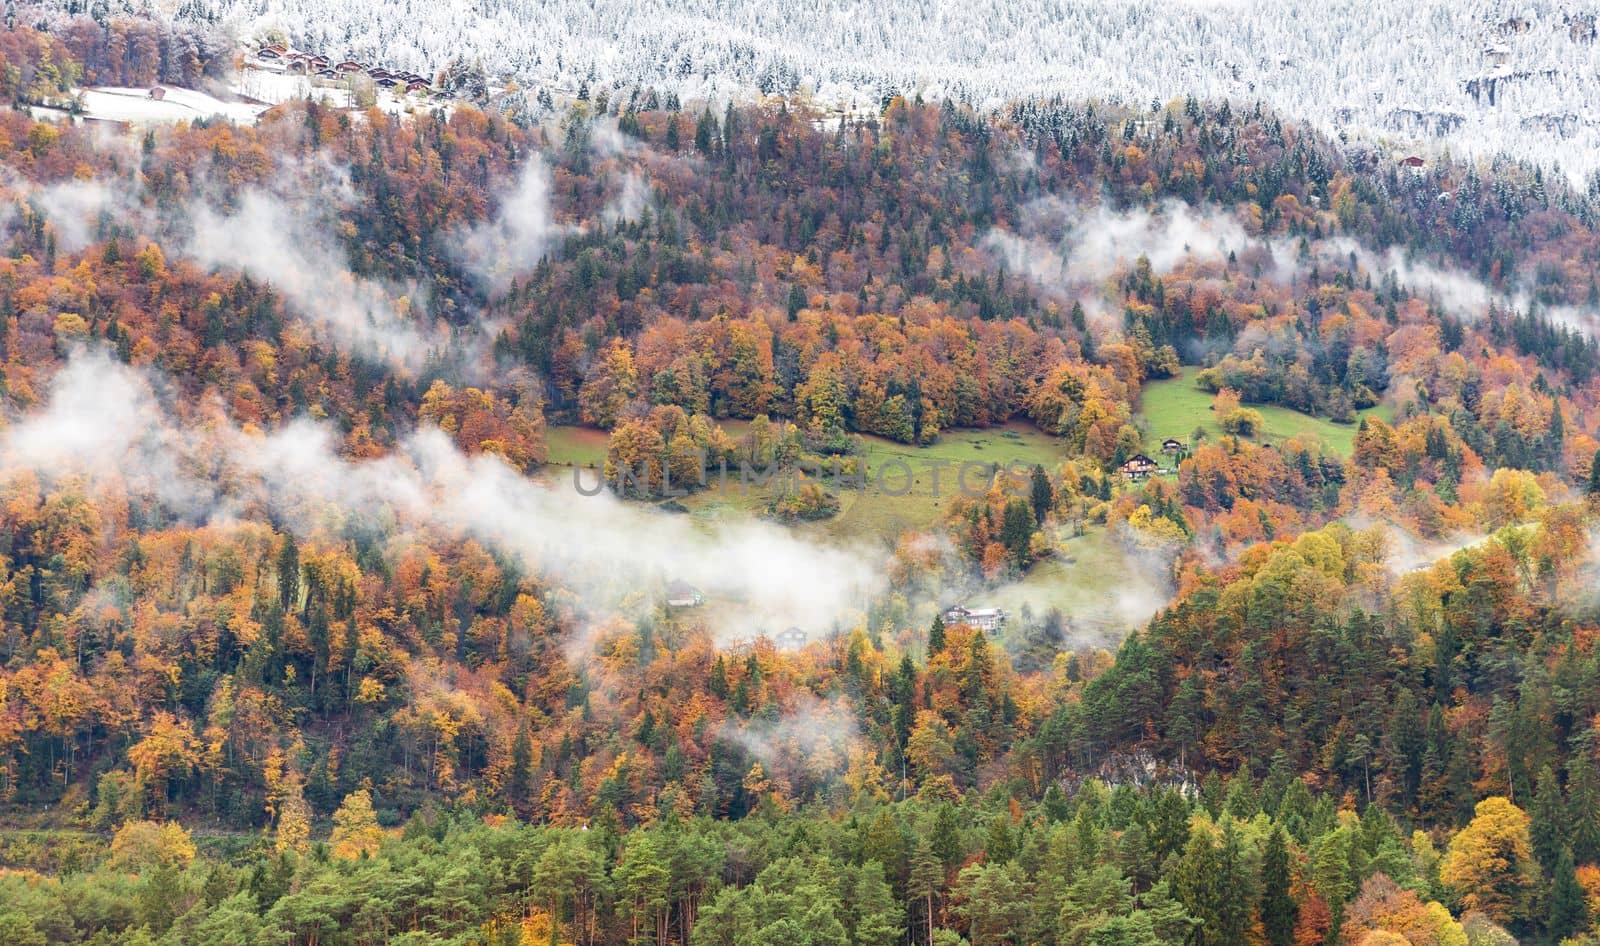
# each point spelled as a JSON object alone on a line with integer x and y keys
{"x": 1225, "y": 402}
{"x": 864, "y": 776}
{"x": 1490, "y": 862}
{"x": 1512, "y": 496}
{"x": 286, "y": 800}
{"x": 634, "y": 458}
{"x": 169, "y": 750}
{"x": 294, "y": 823}
{"x": 535, "y": 929}
{"x": 756, "y": 781}
{"x": 1384, "y": 908}
{"x": 930, "y": 747}
{"x": 139, "y": 845}
{"x": 355, "y": 827}
{"x": 612, "y": 384}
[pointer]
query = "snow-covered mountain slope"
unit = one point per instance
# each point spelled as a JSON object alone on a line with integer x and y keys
{"x": 1480, "y": 76}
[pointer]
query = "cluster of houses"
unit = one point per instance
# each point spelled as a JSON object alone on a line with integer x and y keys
{"x": 681, "y": 595}
{"x": 279, "y": 56}
{"x": 1140, "y": 467}
{"x": 988, "y": 620}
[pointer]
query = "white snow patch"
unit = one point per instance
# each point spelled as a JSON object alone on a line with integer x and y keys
{"x": 139, "y": 106}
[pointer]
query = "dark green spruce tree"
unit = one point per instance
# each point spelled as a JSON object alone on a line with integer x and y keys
{"x": 1279, "y": 913}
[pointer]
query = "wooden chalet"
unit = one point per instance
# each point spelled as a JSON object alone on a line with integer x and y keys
{"x": 1170, "y": 445}
{"x": 790, "y": 639}
{"x": 323, "y": 67}
{"x": 984, "y": 619}
{"x": 681, "y": 594}
{"x": 1139, "y": 467}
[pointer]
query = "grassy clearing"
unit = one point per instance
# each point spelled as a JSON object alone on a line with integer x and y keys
{"x": 576, "y": 446}
{"x": 872, "y": 512}
{"x": 1016, "y": 442}
{"x": 877, "y": 512}
{"x": 1102, "y": 588}
{"x": 1174, "y": 407}
{"x": 885, "y": 512}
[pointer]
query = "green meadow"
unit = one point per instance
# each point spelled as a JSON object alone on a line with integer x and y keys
{"x": 890, "y": 505}
{"x": 1174, "y": 407}
{"x": 877, "y": 511}
{"x": 885, "y": 508}
{"x": 576, "y": 446}
{"x": 1091, "y": 579}
{"x": 1102, "y": 588}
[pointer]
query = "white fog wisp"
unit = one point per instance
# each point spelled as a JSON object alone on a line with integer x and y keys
{"x": 275, "y": 243}
{"x": 105, "y": 422}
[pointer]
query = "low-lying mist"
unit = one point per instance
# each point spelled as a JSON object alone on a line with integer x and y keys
{"x": 1070, "y": 251}
{"x": 291, "y": 230}
{"x": 105, "y": 423}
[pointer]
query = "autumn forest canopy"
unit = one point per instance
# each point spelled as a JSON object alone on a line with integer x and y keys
{"x": 1271, "y": 486}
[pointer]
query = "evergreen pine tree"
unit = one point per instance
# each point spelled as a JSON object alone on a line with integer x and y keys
{"x": 1547, "y": 828}
{"x": 797, "y": 301}
{"x": 1211, "y": 793}
{"x": 1241, "y": 801}
{"x": 1042, "y": 495}
{"x": 718, "y": 684}
{"x": 927, "y": 878}
{"x": 520, "y": 787}
{"x": 1279, "y": 913}
{"x": 1569, "y": 909}
{"x": 1001, "y": 845}
{"x": 875, "y": 915}
{"x": 288, "y": 574}
{"x": 1197, "y": 881}
{"x": 1238, "y": 886}
{"x": 1583, "y": 806}
{"x": 945, "y": 838}
{"x": 1170, "y": 922}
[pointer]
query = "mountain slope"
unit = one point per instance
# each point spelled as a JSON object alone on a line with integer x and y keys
{"x": 1482, "y": 77}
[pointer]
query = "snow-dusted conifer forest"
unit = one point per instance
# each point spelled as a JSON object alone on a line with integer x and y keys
{"x": 1476, "y": 76}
